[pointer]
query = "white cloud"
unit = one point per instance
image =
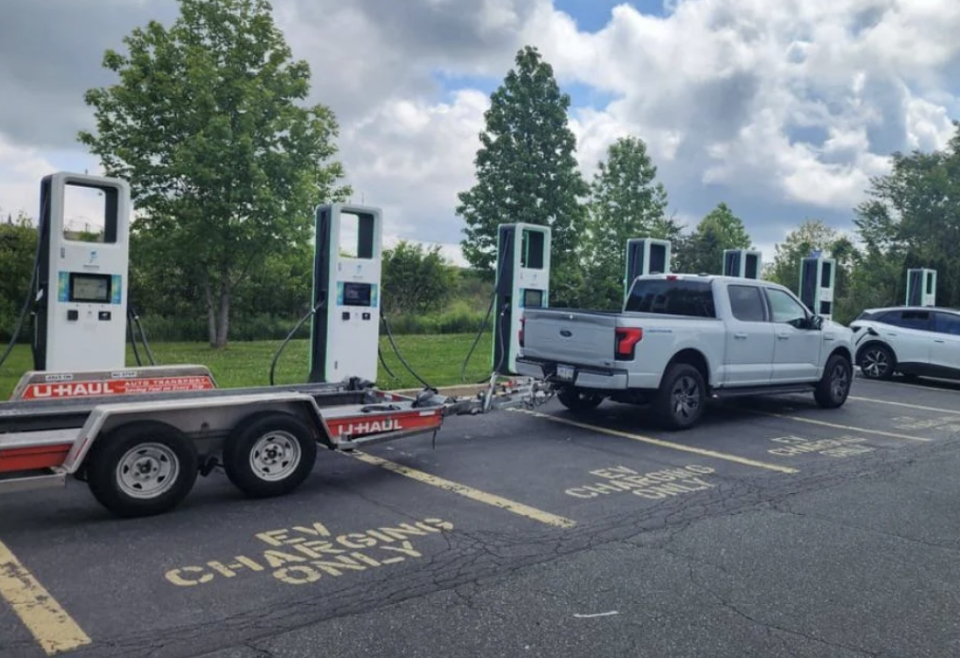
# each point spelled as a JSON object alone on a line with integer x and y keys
{"x": 783, "y": 109}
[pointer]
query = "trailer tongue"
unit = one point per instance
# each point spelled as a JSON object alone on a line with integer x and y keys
{"x": 140, "y": 437}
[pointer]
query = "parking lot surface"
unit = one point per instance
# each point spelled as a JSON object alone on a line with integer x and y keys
{"x": 774, "y": 528}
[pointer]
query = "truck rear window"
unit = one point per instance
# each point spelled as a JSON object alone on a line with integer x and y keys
{"x": 679, "y": 297}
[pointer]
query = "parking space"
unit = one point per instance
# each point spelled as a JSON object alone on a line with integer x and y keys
{"x": 405, "y": 518}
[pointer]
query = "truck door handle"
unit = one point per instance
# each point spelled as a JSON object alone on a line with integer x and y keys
{"x": 740, "y": 336}
{"x": 783, "y": 336}
{"x": 938, "y": 340}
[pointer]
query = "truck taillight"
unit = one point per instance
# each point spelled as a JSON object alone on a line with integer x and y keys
{"x": 522, "y": 320}
{"x": 627, "y": 339}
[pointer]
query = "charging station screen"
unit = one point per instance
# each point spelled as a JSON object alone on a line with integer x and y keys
{"x": 90, "y": 288}
{"x": 532, "y": 298}
{"x": 356, "y": 294}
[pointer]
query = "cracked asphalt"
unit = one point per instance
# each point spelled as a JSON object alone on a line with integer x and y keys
{"x": 774, "y": 529}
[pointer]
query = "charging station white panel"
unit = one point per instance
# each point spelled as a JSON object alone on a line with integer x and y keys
{"x": 522, "y": 281}
{"x": 742, "y": 263}
{"x": 921, "y": 287}
{"x": 81, "y": 313}
{"x": 817, "y": 281}
{"x": 645, "y": 256}
{"x": 345, "y": 332}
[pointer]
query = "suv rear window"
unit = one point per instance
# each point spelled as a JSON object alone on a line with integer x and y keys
{"x": 679, "y": 297}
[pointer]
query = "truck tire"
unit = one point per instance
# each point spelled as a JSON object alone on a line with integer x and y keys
{"x": 270, "y": 454}
{"x": 142, "y": 468}
{"x": 579, "y": 401}
{"x": 834, "y": 386}
{"x": 680, "y": 401}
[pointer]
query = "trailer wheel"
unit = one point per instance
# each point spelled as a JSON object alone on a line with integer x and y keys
{"x": 270, "y": 455}
{"x": 142, "y": 468}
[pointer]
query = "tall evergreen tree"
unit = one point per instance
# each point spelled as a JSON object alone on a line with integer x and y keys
{"x": 626, "y": 202}
{"x": 527, "y": 172}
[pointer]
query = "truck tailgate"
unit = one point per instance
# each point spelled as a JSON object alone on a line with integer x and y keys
{"x": 570, "y": 337}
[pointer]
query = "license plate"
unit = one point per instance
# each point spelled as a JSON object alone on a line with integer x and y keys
{"x": 566, "y": 372}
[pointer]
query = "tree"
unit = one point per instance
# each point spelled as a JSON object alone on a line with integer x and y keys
{"x": 626, "y": 202}
{"x": 702, "y": 250}
{"x": 527, "y": 172}
{"x": 415, "y": 281}
{"x": 18, "y": 243}
{"x": 223, "y": 164}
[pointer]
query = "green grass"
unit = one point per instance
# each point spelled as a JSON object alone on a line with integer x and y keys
{"x": 438, "y": 359}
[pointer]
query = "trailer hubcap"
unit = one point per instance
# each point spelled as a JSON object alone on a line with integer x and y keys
{"x": 686, "y": 397}
{"x": 148, "y": 470}
{"x": 275, "y": 456}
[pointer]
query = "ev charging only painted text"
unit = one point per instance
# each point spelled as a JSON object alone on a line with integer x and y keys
{"x": 304, "y": 554}
{"x": 653, "y": 486}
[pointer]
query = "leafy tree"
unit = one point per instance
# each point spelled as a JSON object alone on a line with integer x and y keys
{"x": 224, "y": 165}
{"x": 626, "y": 202}
{"x": 18, "y": 243}
{"x": 702, "y": 250}
{"x": 415, "y": 280}
{"x": 527, "y": 172}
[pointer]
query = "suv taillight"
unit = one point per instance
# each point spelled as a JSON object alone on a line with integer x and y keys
{"x": 627, "y": 339}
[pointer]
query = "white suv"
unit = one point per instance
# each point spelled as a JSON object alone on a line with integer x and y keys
{"x": 911, "y": 340}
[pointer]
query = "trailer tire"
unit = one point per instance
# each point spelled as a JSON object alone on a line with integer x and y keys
{"x": 142, "y": 468}
{"x": 270, "y": 454}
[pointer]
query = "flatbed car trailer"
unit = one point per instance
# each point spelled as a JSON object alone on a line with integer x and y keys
{"x": 140, "y": 437}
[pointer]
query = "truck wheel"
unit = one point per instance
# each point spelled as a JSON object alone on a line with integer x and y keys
{"x": 579, "y": 401}
{"x": 834, "y": 385}
{"x": 877, "y": 362}
{"x": 680, "y": 401}
{"x": 270, "y": 455}
{"x": 142, "y": 468}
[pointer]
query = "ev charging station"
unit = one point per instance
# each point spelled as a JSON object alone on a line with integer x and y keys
{"x": 345, "y": 329}
{"x": 522, "y": 281}
{"x": 921, "y": 287}
{"x": 80, "y": 318}
{"x": 645, "y": 256}
{"x": 817, "y": 279}
{"x": 742, "y": 263}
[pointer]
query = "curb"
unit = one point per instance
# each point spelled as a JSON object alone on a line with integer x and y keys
{"x": 449, "y": 391}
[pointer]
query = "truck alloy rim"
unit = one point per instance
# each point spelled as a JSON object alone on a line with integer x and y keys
{"x": 874, "y": 363}
{"x": 275, "y": 455}
{"x": 686, "y": 397}
{"x": 148, "y": 470}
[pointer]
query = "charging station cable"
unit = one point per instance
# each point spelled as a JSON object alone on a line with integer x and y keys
{"x": 296, "y": 328}
{"x": 30, "y": 289}
{"x": 396, "y": 350}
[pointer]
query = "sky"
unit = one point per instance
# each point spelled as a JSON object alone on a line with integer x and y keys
{"x": 781, "y": 109}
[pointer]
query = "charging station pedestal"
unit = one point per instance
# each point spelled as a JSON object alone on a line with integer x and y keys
{"x": 522, "y": 281}
{"x": 81, "y": 305}
{"x": 645, "y": 256}
{"x": 817, "y": 280}
{"x": 921, "y": 287}
{"x": 345, "y": 330}
{"x": 742, "y": 263}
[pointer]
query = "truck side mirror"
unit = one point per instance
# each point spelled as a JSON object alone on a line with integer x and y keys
{"x": 815, "y": 322}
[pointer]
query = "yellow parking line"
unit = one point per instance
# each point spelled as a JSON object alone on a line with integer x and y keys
{"x": 919, "y": 407}
{"x": 50, "y": 624}
{"x": 848, "y": 428}
{"x": 468, "y": 492}
{"x": 663, "y": 444}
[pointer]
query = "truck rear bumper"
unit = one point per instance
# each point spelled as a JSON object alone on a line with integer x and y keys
{"x": 610, "y": 379}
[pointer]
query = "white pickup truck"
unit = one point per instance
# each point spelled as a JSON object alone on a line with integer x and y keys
{"x": 682, "y": 339}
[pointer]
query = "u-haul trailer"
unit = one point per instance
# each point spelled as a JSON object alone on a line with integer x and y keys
{"x": 140, "y": 437}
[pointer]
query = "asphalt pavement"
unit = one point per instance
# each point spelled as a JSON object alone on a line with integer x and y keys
{"x": 774, "y": 528}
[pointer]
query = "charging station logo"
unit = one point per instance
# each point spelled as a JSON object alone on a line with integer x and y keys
{"x": 91, "y": 263}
